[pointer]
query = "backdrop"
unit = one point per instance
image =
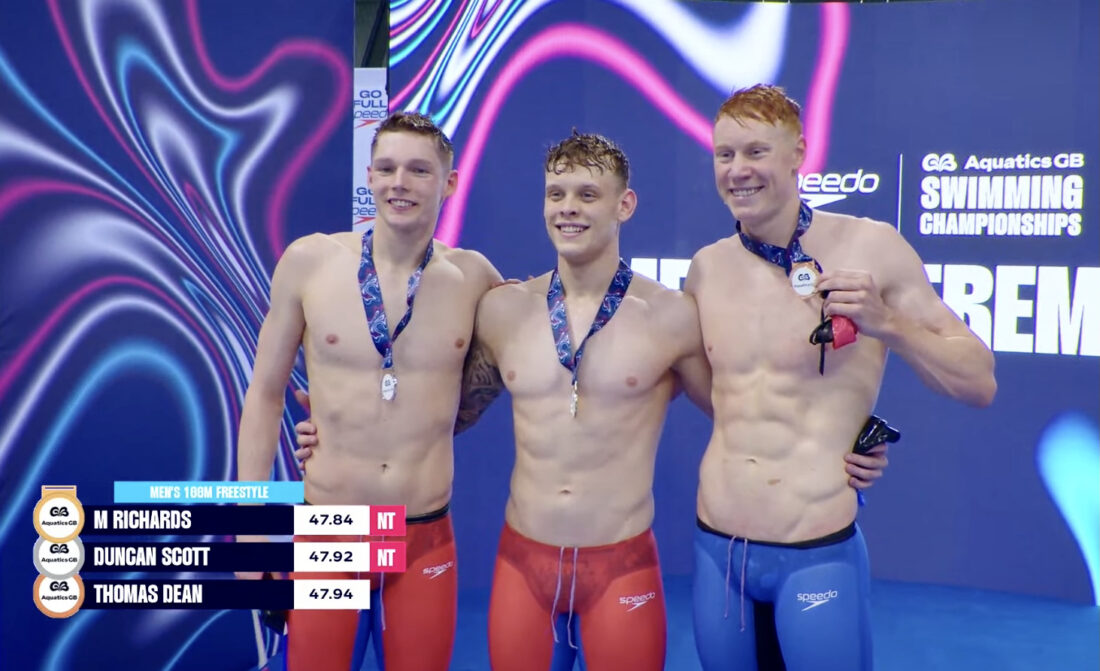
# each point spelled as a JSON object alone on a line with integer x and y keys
{"x": 155, "y": 159}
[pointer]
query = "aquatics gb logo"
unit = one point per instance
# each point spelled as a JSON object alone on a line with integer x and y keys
{"x": 939, "y": 163}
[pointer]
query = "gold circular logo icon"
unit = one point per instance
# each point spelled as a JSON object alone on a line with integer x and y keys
{"x": 58, "y": 516}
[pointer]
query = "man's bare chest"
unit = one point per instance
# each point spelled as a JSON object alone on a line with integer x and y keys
{"x": 624, "y": 357}
{"x": 436, "y": 334}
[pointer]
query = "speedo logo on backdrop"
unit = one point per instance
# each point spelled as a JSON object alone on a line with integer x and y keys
{"x": 819, "y": 188}
{"x": 1045, "y": 196}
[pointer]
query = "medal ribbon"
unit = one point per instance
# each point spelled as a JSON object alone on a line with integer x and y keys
{"x": 559, "y": 321}
{"x": 784, "y": 258}
{"x": 375, "y": 310}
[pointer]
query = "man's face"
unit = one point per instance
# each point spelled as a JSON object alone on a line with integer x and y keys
{"x": 409, "y": 179}
{"x": 583, "y": 208}
{"x": 756, "y": 167}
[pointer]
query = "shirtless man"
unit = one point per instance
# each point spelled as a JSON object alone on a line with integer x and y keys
{"x": 776, "y": 519}
{"x": 577, "y": 561}
{"x": 383, "y": 396}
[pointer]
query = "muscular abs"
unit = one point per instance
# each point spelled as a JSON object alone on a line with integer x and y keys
{"x": 584, "y": 480}
{"x": 773, "y": 470}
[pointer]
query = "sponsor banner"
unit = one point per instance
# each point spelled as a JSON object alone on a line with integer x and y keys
{"x": 370, "y": 105}
{"x": 1018, "y": 195}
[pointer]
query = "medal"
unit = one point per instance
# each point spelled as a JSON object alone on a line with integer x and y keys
{"x": 389, "y": 386}
{"x": 804, "y": 278}
{"x": 573, "y": 401}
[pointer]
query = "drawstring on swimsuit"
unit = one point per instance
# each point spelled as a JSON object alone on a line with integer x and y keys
{"x": 557, "y": 596}
{"x": 557, "y": 593}
{"x": 744, "y": 563}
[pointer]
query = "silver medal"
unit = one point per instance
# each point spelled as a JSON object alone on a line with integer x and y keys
{"x": 389, "y": 386}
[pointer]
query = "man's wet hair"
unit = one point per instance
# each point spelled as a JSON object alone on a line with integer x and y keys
{"x": 588, "y": 150}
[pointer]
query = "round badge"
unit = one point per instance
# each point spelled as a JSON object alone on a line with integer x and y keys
{"x": 58, "y": 598}
{"x": 58, "y": 516}
{"x": 58, "y": 560}
{"x": 804, "y": 279}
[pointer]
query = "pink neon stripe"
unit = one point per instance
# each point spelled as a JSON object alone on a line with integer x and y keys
{"x": 819, "y": 102}
{"x": 30, "y": 346}
{"x": 566, "y": 40}
{"x": 405, "y": 92}
{"x": 275, "y": 214}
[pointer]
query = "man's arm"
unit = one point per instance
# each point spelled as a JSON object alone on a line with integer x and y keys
{"x": 276, "y": 349}
{"x": 481, "y": 384}
{"x": 692, "y": 369}
{"x": 904, "y": 312}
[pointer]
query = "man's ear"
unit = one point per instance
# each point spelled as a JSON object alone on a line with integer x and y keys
{"x": 628, "y": 202}
{"x": 799, "y": 153}
{"x": 452, "y": 184}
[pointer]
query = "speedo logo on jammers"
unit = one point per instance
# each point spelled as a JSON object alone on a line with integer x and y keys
{"x": 823, "y": 188}
{"x": 637, "y": 601}
{"x": 434, "y": 572}
{"x": 815, "y": 599}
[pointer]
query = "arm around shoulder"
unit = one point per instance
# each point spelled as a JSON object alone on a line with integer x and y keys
{"x": 692, "y": 368}
{"x": 481, "y": 381}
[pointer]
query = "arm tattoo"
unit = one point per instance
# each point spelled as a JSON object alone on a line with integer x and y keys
{"x": 481, "y": 384}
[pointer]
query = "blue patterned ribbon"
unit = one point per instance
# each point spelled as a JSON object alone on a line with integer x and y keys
{"x": 784, "y": 258}
{"x": 559, "y": 322}
{"x": 372, "y": 299}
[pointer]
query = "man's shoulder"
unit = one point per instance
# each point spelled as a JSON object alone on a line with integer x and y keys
{"x": 502, "y": 305}
{"x": 473, "y": 264}
{"x": 669, "y": 307}
{"x": 513, "y": 292}
{"x": 719, "y": 249}
{"x": 862, "y": 227}
{"x": 315, "y": 248}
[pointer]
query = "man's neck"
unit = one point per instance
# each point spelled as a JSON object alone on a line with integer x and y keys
{"x": 396, "y": 249}
{"x": 777, "y": 230}
{"x": 589, "y": 278}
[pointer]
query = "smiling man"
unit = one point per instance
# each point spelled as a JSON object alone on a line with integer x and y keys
{"x": 776, "y": 518}
{"x": 591, "y": 354}
{"x": 385, "y": 383}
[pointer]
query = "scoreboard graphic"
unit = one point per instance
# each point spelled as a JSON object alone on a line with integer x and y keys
{"x": 349, "y": 542}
